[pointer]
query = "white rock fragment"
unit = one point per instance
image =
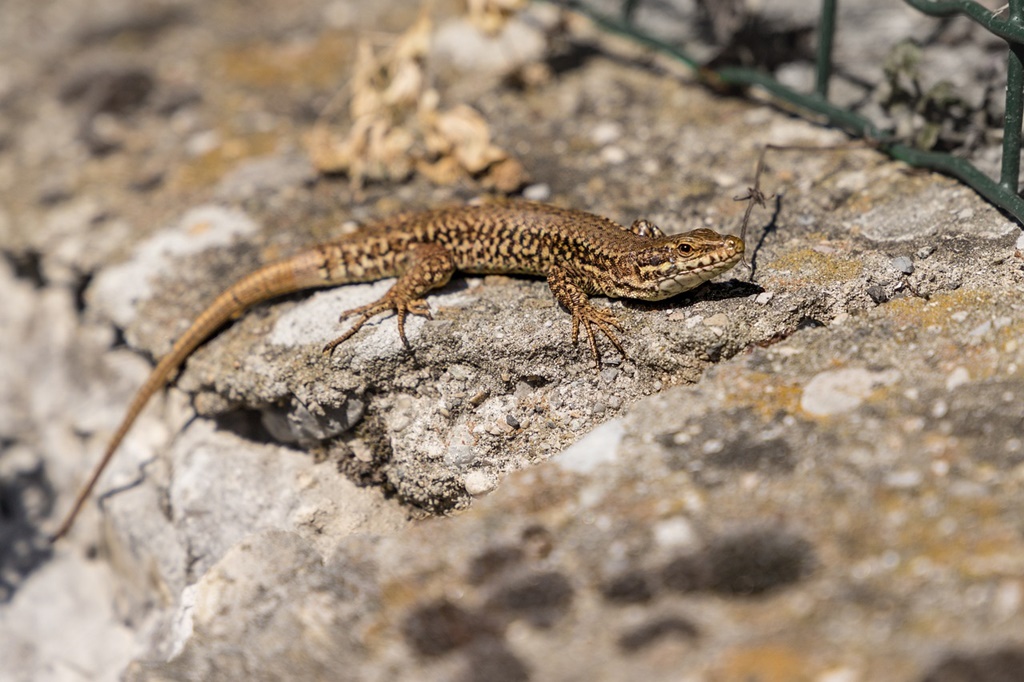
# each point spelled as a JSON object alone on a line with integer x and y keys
{"x": 1008, "y": 598}
{"x": 839, "y": 675}
{"x": 764, "y": 298}
{"x": 465, "y": 47}
{"x": 904, "y": 480}
{"x": 903, "y": 264}
{"x": 70, "y": 596}
{"x": 676, "y": 533}
{"x": 315, "y": 318}
{"x": 537, "y": 192}
{"x": 720, "y": 320}
{"x": 605, "y": 133}
{"x": 479, "y": 483}
{"x": 957, "y": 378}
{"x": 598, "y": 447}
{"x": 118, "y": 290}
{"x": 838, "y": 391}
{"x": 613, "y": 155}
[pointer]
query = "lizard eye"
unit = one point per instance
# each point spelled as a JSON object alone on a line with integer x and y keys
{"x": 684, "y": 248}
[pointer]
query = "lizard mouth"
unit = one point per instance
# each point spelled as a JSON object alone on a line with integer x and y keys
{"x": 689, "y": 278}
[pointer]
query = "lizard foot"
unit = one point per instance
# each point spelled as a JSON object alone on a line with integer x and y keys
{"x": 388, "y": 303}
{"x": 590, "y": 317}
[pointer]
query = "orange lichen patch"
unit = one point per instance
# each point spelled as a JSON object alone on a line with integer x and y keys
{"x": 765, "y": 393}
{"x": 981, "y": 545}
{"x": 206, "y": 169}
{"x": 764, "y": 663}
{"x": 807, "y": 266}
{"x": 319, "y": 63}
{"x": 937, "y": 311}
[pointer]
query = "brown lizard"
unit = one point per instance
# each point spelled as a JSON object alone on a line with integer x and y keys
{"x": 579, "y": 253}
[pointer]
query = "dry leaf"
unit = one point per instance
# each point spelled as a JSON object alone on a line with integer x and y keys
{"x": 505, "y": 176}
{"x": 397, "y": 126}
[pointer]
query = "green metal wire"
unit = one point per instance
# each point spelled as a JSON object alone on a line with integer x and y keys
{"x": 1002, "y": 193}
{"x": 1012, "y": 31}
{"x": 1009, "y": 30}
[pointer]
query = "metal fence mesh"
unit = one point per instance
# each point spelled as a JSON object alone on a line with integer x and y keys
{"x": 923, "y": 150}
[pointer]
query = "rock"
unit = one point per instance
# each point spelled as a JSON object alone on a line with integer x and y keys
{"x": 903, "y": 264}
{"x": 839, "y": 391}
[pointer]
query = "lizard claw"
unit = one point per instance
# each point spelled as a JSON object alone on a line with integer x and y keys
{"x": 591, "y": 317}
{"x": 387, "y": 303}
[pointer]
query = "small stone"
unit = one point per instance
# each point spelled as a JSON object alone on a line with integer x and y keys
{"x": 608, "y": 374}
{"x": 924, "y": 252}
{"x": 903, "y": 264}
{"x": 904, "y": 480}
{"x": 877, "y": 294}
{"x": 479, "y": 483}
{"x": 676, "y": 533}
{"x": 959, "y": 316}
{"x": 957, "y": 378}
{"x": 965, "y": 214}
{"x": 613, "y": 155}
{"x": 842, "y": 390}
{"x": 599, "y": 447}
{"x": 717, "y": 320}
{"x": 978, "y": 333}
{"x": 537, "y": 192}
{"x": 1020, "y": 242}
{"x": 118, "y": 90}
{"x": 605, "y": 133}
{"x": 764, "y": 298}
{"x": 512, "y": 421}
{"x": 55, "y": 189}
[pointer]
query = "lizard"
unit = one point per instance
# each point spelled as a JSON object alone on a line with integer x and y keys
{"x": 580, "y": 254}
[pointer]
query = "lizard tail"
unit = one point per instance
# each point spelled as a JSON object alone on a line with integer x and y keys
{"x": 303, "y": 271}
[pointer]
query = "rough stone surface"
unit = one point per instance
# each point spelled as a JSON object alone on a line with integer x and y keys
{"x": 809, "y": 470}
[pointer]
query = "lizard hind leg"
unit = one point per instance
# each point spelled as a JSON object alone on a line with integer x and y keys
{"x": 388, "y": 303}
{"x": 425, "y": 267}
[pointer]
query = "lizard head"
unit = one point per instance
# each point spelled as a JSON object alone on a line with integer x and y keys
{"x": 672, "y": 265}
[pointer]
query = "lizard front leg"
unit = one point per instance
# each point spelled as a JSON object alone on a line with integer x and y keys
{"x": 584, "y": 313}
{"x": 422, "y": 268}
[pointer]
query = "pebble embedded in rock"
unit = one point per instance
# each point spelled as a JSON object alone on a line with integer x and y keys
{"x": 957, "y": 378}
{"x": 877, "y": 294}
{"x": 837, "y": 391}
{"x": 717, "y": 320}
{"x": 605, "y": 133}
{"x": 903, "y": 264}
{"x": 479, "y": 483}
{"x": 613, "y": 155}
{"x": 538, "y": 192}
